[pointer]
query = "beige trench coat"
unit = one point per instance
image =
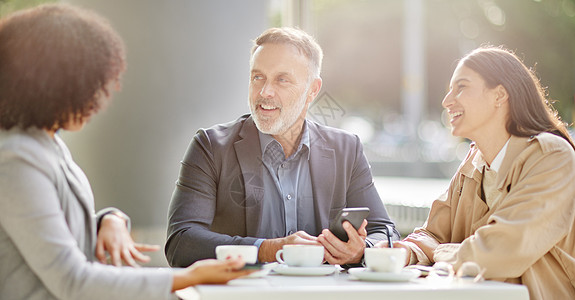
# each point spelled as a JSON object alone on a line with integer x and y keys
{"x": 527, "y": 236}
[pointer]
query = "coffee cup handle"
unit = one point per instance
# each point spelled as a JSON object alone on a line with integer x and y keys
{"x": 279, "y": 256}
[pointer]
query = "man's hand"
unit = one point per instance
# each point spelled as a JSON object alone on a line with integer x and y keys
{"x": 350, "y": 252}
{"x": 269, "y": 247}
{"x": 114, "y": 238}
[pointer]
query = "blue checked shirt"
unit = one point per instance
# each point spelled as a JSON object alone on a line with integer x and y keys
{"x": 288, "y": 196}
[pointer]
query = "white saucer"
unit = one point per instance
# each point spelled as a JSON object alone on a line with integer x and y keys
{"x": 305, "y": 271}
{"x": 367, "y": 275}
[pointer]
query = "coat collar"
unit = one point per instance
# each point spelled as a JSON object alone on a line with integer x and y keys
{"x": 515, "y": 147}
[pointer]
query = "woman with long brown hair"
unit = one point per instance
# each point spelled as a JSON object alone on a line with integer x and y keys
{"x": 510, "y": 207}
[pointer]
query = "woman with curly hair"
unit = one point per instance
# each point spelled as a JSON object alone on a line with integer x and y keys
{"x": 58, "y": 67}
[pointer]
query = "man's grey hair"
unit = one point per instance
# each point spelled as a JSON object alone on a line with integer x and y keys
{"x": 304, "y": 42}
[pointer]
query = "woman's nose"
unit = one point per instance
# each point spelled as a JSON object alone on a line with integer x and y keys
{"x": 447, "y": 100}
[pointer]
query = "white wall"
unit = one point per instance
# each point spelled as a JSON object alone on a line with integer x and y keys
{"x": 188, "y": 64}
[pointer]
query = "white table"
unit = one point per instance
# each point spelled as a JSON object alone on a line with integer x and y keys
{"x": 339, "y": 286}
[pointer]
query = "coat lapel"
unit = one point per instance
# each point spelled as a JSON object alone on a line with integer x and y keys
{"x": 322, "y": 172}
{"x": 249, "y": 157}
{"x": 515, "y": 147}
{"x": 77, "y": 181}
{"x": 82, "y": 193}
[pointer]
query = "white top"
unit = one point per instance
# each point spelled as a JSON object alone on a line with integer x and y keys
{"x": 492, "y": 194}
{"x": 496, "y": 164}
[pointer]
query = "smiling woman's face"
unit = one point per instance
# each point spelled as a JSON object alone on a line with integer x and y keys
{"x": 470, "y": 104}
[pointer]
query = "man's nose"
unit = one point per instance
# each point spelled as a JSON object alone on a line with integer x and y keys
{"x": 267, "y": 90}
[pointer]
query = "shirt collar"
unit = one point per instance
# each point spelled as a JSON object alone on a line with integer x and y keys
{"x": 479, "y": 162}
{"x": 266, "y": 139}
{"x": 496, "y": 164}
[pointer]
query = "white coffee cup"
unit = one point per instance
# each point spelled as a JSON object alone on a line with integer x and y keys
{"x": 300, "y": 255}
{"x": 249, "y": 253}
{"x": 389, "y": 260}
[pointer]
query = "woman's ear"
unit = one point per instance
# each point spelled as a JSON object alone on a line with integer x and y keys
{"x": 501, "y": 95}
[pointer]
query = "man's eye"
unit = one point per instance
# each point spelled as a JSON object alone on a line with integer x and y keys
{"x": 257, "y": 77}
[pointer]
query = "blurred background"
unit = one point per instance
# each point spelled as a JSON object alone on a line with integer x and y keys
{"x": 387, "y": 66}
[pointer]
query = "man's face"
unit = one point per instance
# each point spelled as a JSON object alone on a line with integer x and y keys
{"x": 279, "y": 91}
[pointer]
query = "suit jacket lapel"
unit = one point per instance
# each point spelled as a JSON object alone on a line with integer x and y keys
{"x": 249, "y": 157}
{"x": 322, "y": 172}
{"x": 76, "y": 180}
{"x": 80, "y": 188}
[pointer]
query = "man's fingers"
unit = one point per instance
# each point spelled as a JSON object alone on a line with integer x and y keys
{"x": 329, "y": 258}
{"x": 352, "y": 234}
{"x": 301, "y": 237}
{"x": 305, "y": 235}
{"x": 329, "y": 242}
{"x": 362, "y": 231}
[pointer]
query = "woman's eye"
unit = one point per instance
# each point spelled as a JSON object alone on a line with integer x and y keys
{"x": 460, "y": 88}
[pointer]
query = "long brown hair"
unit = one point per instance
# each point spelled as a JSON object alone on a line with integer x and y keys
{"x": 530, "y": 113}
{"x": 55, "y": 63}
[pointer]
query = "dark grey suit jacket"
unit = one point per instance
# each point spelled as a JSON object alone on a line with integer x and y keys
{"x": 218, "y": 197}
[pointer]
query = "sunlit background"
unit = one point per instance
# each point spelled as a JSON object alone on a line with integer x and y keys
{"x": 386, "y": 69}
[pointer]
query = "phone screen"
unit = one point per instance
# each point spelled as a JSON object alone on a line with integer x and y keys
{"x": 256, "y": 266}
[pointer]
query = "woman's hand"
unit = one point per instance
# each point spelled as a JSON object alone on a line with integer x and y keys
{"x": 397, "y": 244}
{"x": 426, "y": 243}
{"x": 209, "y": 271}
{"x": 114, "y": 238}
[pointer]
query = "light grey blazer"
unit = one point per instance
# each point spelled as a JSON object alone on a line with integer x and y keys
{"x": 48, "y": 229}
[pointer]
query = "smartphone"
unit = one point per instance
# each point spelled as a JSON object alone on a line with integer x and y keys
{"x": 253, "y": 266}
{"x": 354, "y": 215}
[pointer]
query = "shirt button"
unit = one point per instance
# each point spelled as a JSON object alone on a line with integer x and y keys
{"x": 288, "y": 197}
{"x": 283, "y": 165}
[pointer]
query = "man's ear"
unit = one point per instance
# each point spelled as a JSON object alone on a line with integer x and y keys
{"x": 314, "y": 89}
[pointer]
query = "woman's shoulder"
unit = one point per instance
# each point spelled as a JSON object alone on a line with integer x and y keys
{"x": 550, "y": 142}
{"x": 33, "y": 146}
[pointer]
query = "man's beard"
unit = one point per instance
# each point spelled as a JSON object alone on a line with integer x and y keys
{"x": 286, "y": 119}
